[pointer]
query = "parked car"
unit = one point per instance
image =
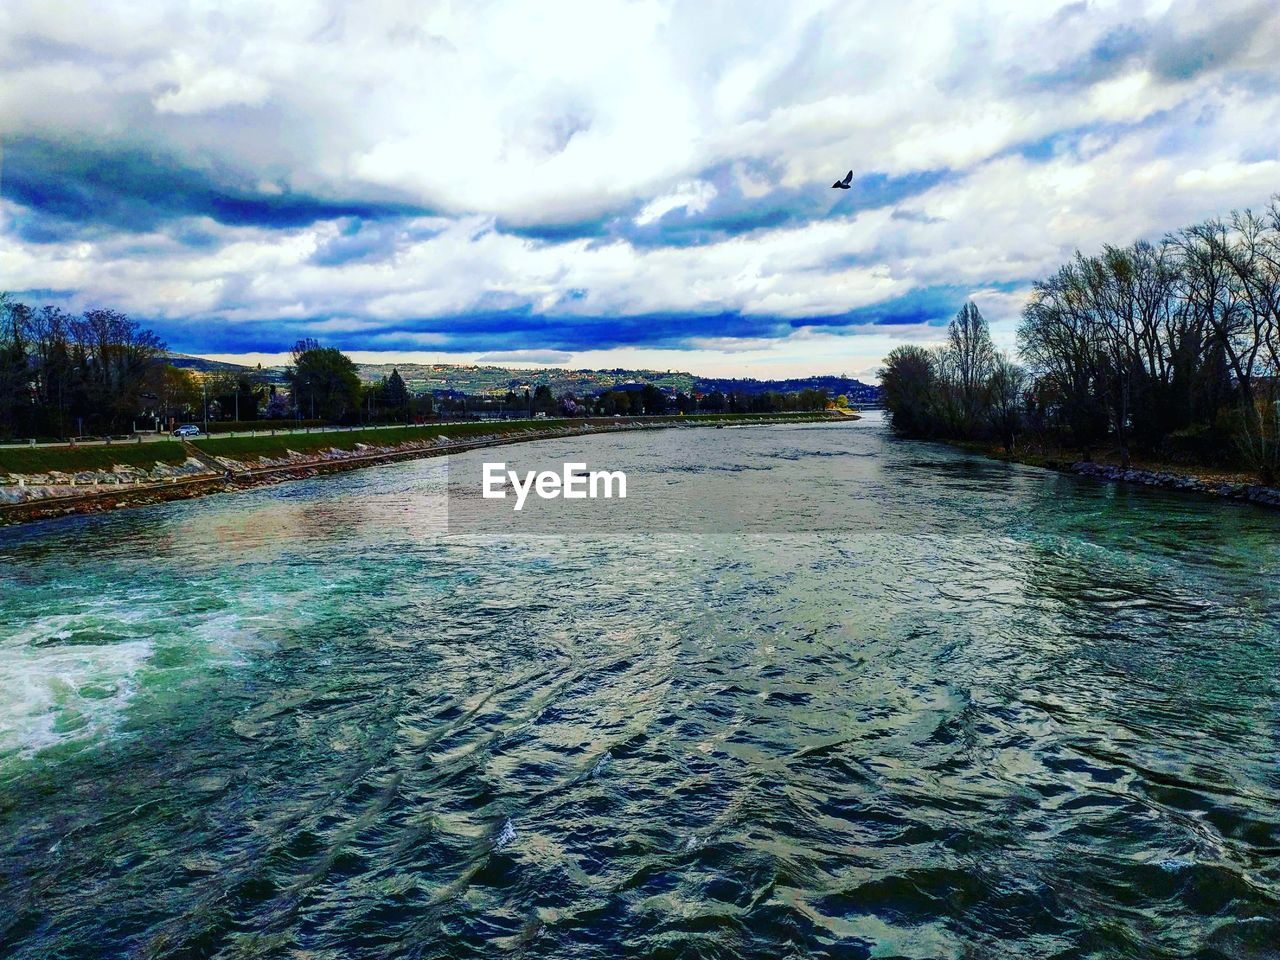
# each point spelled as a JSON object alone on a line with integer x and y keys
{"x": 187, "y": 430}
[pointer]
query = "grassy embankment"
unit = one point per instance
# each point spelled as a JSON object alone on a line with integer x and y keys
{"x": 31, "y": 460}
{"x": 27, "y": 460}
{"x": 252, "y": 448}
{"x": 278, "y": 446}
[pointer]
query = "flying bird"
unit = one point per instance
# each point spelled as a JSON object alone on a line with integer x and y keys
{"x": 845, "y": 183}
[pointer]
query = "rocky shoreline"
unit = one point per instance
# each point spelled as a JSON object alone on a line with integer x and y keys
{"x": 1252, "y": 493}
{"x": 1221, "y": 487}
{"x": 22, "y": 488}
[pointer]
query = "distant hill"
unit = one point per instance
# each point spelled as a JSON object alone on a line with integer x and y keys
{"x": 855, "y": 390}
{"x": 204, "y": 365}
{"x": 475, "y": 379}
{"x": 480, "y": 380}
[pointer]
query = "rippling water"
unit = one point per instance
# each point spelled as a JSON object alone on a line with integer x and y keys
{"x": 981, "y": 711}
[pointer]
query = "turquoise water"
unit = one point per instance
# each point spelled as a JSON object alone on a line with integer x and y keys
{"x": 926, "y": 705}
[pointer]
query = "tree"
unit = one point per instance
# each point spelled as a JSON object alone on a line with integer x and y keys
{"x": 1058, "y": 338}
{"x": 178, "y": 394}
{"x": 652, "y": 400}
{"x": 965, "y": 365}
{"x": 715, "y": 402}
{"x": 324, "y": 382}
{"x": 54, "y": 376}
{"x": 807, "y": 399}
{"x": 234, "y": 393}
{"x": 908, "y": 382}
{"x": 94, "y": 371}
{"x": 15, "y": 381}
{"x": 1150, "y": 344}
{"x": 394, "y": 393}
{"x": 1005, "y": 394}
{"x": 118, "y": 358}
{"x": 543, "y": 400}
{"x": 615, "y": 402}
{"x": 1250, "y": 340}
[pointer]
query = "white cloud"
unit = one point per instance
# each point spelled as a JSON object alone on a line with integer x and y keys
{"x": 1055, "y": 129}
{"x": 693, "y": 197}
{"x": 536, "y": 357}
{"x": 212, "y": 89}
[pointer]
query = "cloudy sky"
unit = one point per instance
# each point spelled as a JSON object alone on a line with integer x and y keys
{"x": 609, "y": 182}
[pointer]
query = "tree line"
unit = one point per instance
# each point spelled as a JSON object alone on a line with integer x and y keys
{"x": 644, "y": 400}
{"x": 63, "y": 373}
{"x": 1167, "y": 349}
{"x": 650, "y": 400}
{"x": 101, "y": 373}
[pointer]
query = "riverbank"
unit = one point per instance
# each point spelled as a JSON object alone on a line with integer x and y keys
{"x": 40, "y": 483}
{"x": 1180, "y": 477}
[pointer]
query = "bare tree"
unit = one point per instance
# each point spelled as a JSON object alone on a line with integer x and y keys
{"x": 908, "y": 379}
{"x": 1005, "y": 390}
{"x": 968, "y": 361}
{"x": 1058, "y": 338}
{"x": 1232, "y": 285}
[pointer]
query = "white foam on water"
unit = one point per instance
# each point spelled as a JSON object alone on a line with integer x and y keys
{"x": 56, "y": 694}
{"x": 71, "y": 676}
{"x": 229, "y": 637}
{"x": 507, "y": 836}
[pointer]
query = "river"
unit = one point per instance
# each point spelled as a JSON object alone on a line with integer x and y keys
{"x": 809, "y": 691}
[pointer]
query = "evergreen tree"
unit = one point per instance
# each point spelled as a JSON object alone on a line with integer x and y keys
{"x": 394, "y": 393}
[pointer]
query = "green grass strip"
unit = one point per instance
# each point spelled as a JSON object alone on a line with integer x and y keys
{"x": 28, "y": 460}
